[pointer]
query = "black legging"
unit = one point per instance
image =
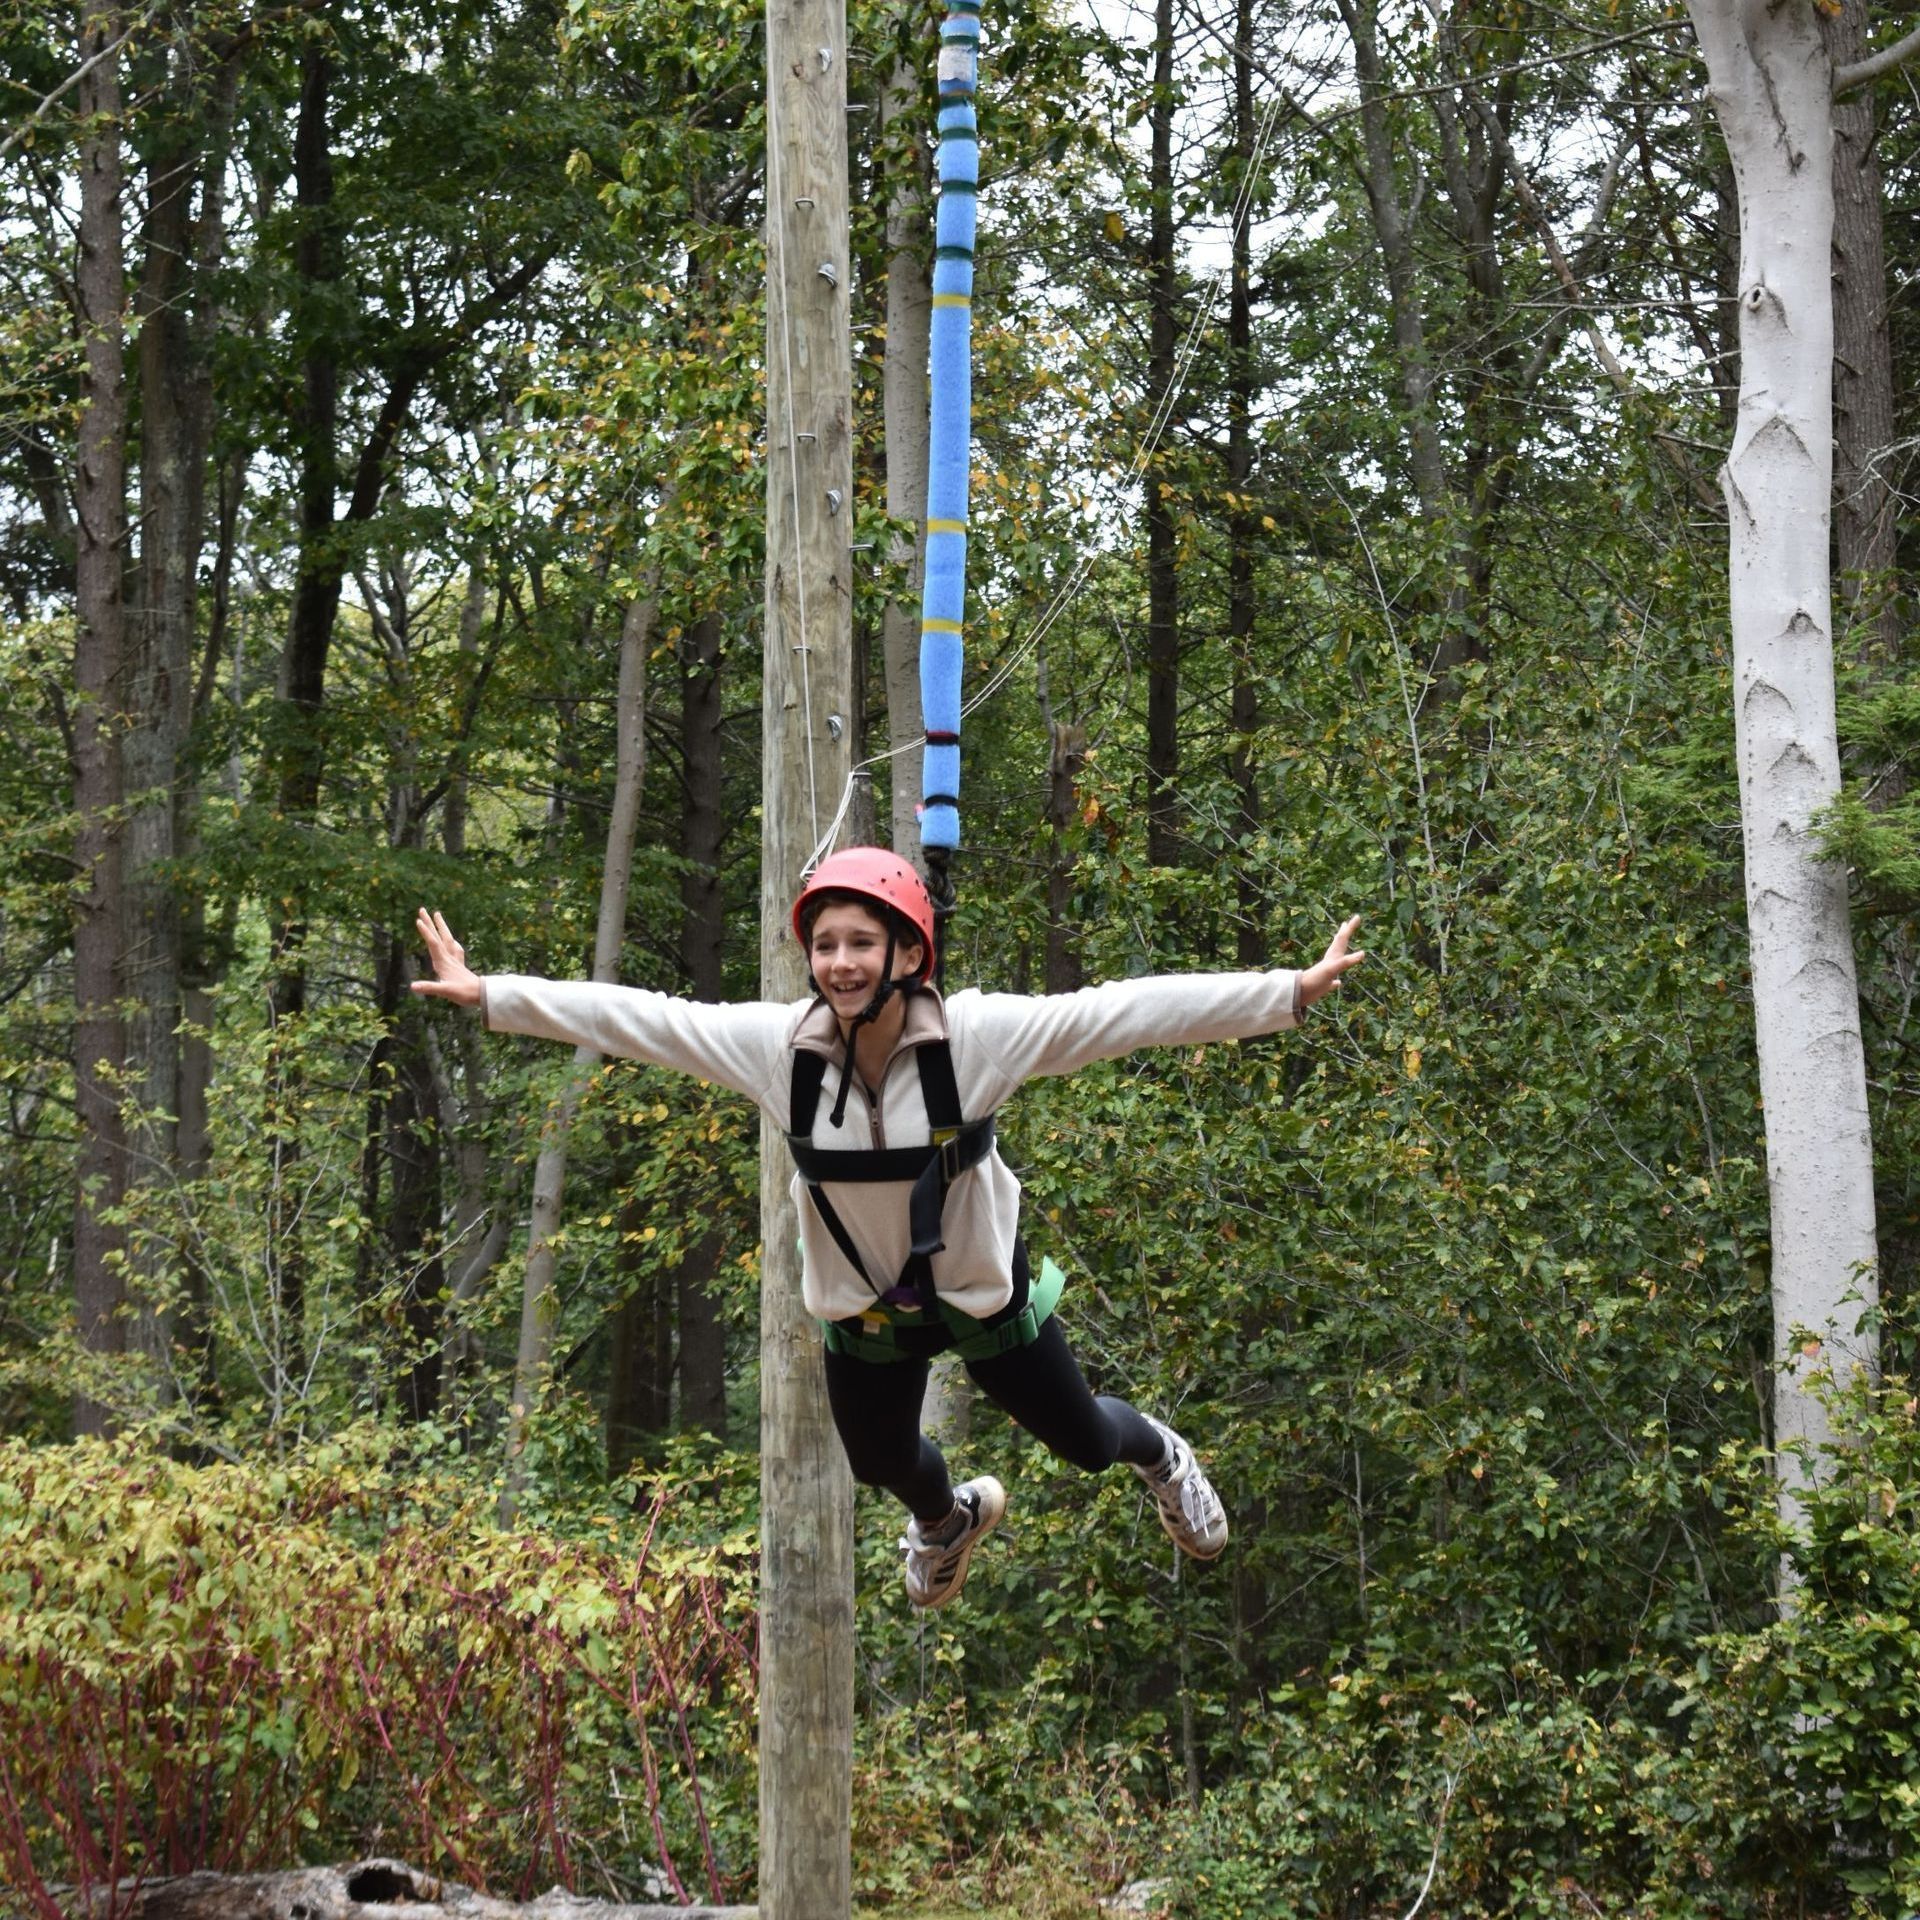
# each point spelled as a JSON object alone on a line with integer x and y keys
{"x": 876, "y": 1408}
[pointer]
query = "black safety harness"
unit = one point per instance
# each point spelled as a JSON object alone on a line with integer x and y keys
{"x": 931, "y": 1170}
{"x": 929, "y": 1173}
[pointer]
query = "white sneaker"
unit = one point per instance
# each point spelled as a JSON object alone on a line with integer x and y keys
{"x": 1190, "y": 1510}
{"x": 937, "y": 1569}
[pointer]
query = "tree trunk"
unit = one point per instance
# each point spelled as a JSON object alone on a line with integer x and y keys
{"x": 303, "y": 669}
{"x": 202, "y": 957}
{"x": 1250, "y": 939}
{"x": 316, "y": 597}
{"x": 1163, "y": 576}
{"x": 481, "y": 1225}
{"x": 477, "y": 1233}
{"x": 176, "y": 410}
{"x": 1769, "y": 82}
{"x": 806, "y": 1492}
{"x": 1068, "y": 754}
{"x": 904, "y": 387}
{"x": 1865, "y": 517}
{"x": 639, "y": 1359}
{"x": 703, "y": 932}
{"x": 403, "y": 1237}
{"x": 100, "y": 501}
{"x": 641, "y": 1337}
{"x": 1393, "y": 235}
{"x": 417, "y": 1263}
{"x": 361, "y": 1890}
{"x": 402, "y": 1252}
{"x": 534, "y": 1360}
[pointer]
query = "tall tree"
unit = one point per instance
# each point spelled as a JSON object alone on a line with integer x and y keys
{"x": 319, "y": 265}
{"x": 191, "y": 118}
{"x": 538, "y": 1312}
{"x": 1163, "y": 556}
{"x": 1865, "y": 514}
{"x": 655, "y": 1304}
{"x": 703, "y": 928}
{"x": 1771, "y": 84}
{"x": 100, "y": 515}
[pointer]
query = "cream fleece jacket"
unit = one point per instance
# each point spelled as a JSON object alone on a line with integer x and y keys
{"x": 998, "y": 1040}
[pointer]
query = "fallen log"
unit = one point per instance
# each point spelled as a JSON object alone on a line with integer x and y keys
{"x": 361, "y": 1890}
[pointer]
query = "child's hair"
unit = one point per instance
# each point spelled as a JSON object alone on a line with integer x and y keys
{"x": 905, "y": 933}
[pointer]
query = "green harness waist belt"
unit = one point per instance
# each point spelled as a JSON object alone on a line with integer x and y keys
{"x": 885, "y": 1334}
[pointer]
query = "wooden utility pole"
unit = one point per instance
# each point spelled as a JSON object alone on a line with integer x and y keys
{"x": 806, "y": 1494}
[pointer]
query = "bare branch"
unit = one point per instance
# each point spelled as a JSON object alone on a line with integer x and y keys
{"x": 1570, "y": 282}
{"x": 1875, "y": 64}
{"x": 1439, "y": 1834}
{"x": 65, "y": 87}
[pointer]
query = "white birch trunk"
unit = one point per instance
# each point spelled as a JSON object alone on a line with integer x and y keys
{"x": 537, "y": 1306}
{"x": 1771, "y": 88}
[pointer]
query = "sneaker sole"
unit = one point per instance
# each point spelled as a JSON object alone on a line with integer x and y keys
{"x": 1203, "y": 1554}
{"x": 1205, "y": 1557}
{"x": 993, "y": 1507}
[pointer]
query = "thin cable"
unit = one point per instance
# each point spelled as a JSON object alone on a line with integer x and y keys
{"x": 1163, "y": 412}
{"x": 824, "y": 845}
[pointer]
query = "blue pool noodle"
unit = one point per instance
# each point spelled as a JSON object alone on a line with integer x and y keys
{"x": 950, "y": 378}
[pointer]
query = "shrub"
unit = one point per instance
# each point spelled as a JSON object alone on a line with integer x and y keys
{"x": 236, "y": 1667}
{"x": 1819, "y": 1713}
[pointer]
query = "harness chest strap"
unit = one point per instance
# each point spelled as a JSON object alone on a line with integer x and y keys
{"x": 956, "y": 1146}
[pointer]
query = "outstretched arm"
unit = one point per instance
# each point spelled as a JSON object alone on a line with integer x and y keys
{"x": 742, "y": 1045}
{"x": 1023, "y": 1035}
{"x": 452, "y": 978}
{"x": 1320, "y": 979}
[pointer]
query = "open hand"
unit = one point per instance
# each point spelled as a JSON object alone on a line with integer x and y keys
{"x": 1320, "y": 979}
{"x": 453, "y": 979}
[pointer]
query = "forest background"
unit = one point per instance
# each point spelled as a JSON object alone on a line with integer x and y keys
{"x": 1367, "y": 555}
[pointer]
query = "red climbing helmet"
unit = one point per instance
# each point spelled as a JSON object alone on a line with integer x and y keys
{"x": 882, "y": 877}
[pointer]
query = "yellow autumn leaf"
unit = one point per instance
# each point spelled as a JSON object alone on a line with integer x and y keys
{"x": 1413, "y": 1063}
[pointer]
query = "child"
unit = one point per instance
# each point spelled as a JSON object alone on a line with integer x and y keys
{"x": 909, "y": 1217}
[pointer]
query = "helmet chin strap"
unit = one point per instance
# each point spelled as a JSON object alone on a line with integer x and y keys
{"x": 867, "y": 1015}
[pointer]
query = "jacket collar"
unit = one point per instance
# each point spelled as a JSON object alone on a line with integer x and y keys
{"x": 819, "y": 1032}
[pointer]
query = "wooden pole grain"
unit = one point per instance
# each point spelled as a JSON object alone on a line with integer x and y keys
{"x": 806, "y": 1493}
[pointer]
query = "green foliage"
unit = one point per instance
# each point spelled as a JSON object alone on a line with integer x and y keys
{"x": 1366, "y": 1795}
{"x": 1874, "y": 828}
{"x": 1815, "y": 1716}
{"x": 946, "y": 1797}
{"x": 237, "y": 1667}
